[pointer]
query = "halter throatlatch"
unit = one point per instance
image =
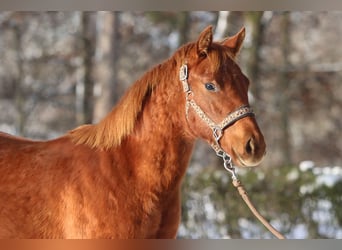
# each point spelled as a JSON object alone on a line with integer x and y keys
{"x": 217, "y": 129}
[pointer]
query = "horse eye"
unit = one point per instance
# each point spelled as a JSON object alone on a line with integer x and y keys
{"x": 210, "y": 86}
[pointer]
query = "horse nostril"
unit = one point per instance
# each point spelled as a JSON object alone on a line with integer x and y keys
{"x": 250, "y": 146}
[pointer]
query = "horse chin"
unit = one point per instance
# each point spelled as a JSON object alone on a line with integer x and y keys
{"x": 245, "y": 162}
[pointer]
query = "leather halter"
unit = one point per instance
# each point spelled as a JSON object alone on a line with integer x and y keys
{"x": 217, "y": 129}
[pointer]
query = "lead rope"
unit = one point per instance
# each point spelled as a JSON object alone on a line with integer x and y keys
{"x": 227, "y": 163}
{"x": 250, "y": 205}
{"x": 217, "y": 134}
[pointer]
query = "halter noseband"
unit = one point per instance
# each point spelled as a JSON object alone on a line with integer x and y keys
{"x": 217, "y": 129}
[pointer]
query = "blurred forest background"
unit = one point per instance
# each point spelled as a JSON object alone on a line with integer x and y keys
{"x": 62, "y": 69}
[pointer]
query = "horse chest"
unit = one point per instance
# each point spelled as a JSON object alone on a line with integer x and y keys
{"x": 114, "y": 215}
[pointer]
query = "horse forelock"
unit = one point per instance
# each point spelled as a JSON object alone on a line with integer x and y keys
{"x": 220, "y": 57}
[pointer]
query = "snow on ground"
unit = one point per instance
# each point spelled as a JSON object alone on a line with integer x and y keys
{"x": 324, "y": 176}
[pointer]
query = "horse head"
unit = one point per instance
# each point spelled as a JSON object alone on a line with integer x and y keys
{"x": 217, "y": 105}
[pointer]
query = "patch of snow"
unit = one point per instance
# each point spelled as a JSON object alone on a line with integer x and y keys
{"x": 328, "y": 180}
{"x": 209, "y": 209}
{"x": 307, "y": 189}
{"x": 249, "y": 229}
{"x": 323, "y": 214}
{"x": 300, "y": 231}
{"x": 328, "y": 176}
{"x": 306, "y": 165}
{"x": 292, "y": 175}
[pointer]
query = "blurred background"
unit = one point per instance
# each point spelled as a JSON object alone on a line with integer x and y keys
{"x": 62, "y": 69}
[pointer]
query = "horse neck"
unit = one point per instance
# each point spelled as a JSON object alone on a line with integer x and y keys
{"x": 160, "y": 144}
{"x": 147, "y": 130}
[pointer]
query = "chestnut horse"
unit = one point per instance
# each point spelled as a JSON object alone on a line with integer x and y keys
{"x": 121, "y": 178}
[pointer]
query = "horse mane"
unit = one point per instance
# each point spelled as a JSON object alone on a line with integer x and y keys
{"x": 120, "y": 122}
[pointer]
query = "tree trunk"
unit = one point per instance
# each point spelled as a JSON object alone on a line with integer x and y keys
{"x": 106, "y": 56}
{"x": 183, "y": 24}
{"x": 253, "y": 20}
{"x": 283, "y": 98}
{"x": 19, "y": 98}
{"x": 85, "y": 85}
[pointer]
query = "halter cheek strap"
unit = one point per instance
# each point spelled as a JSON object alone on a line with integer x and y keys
{"x": 217, "y": 129}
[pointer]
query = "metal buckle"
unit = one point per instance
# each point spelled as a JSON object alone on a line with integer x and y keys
{"x": 227, "y": 163}
{"x": 183, "y": 76}
{"x": 183, "y": 72}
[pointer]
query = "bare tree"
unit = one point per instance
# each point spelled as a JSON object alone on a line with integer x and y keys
{"x": 283, "y": 99}
{"x": 183, "y": 25}
{"x": 255, "y": 26}
{"x": 85, "y": 85}
{"x": 19, "y": 95}
{"x": 106, "y": 55}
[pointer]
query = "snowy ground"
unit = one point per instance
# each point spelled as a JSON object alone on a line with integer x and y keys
{"x": 318, "y": 210}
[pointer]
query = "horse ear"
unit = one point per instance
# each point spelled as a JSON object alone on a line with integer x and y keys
{"x": 204, "y": 41}
{"x": 235, "y": 42}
